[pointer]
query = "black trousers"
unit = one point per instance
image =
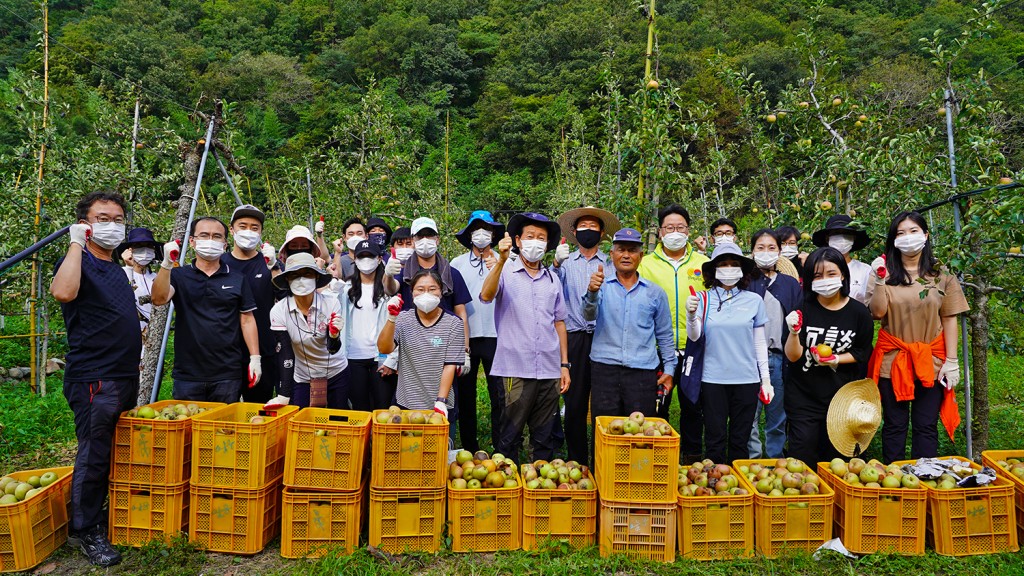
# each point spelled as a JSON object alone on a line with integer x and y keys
{"x": 97, "y": 407}
{"x": 264, "y": 389}
{"x": 728, "y": 416}
{"x": 337, "y": 392}
{"x": 620, "y": 391}
{"x": 807, "y": 435}
{"x": 691, "y": 420}
{"x": 481, "y": 351}
{"x": 528, "y": 402}
{"x": 368, "y": 390}
{"x": 922, "y": 413}
{"x": 578, "y": 398}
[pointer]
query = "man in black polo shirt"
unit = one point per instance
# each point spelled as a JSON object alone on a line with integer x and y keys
{"x": 213, "y": 316}
{"x": 101, "y": 379}
{"x": 255, "y": 259}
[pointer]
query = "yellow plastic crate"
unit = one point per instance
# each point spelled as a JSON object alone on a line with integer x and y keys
{"x": 32, "y": 529}
{"x": 635, "y": 468}
{"x": 789, "y": 523}
{"x": 989, "y": 458}
{"x": 315, "y": 522}
{"x": 972, "y": 521}
{"x": 139, "y": 513}
{"x": 228, "y": 452}
{"x": 561, "y": 515}
{"x": 716, "y": 527}
{"x": 639, "y": 530}
{"x": 332, "y": 460}
{"x": 486, "y": 520}
{"x": 869, "y": 520}
{"x": 409, "y": 456}
{"x": 153, "y": 451}
{"x": 235, "y": 521}
{"x": 406, "y": 520}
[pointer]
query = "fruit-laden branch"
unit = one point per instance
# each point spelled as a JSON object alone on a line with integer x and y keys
{"x": 817, "y": 106}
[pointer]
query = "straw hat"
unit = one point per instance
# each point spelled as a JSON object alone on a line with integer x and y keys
{"x": 854, "y": 416}
{"x": 567, "y": 222}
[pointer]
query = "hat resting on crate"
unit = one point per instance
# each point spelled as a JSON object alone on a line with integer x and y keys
{"x": 854, "y": 416}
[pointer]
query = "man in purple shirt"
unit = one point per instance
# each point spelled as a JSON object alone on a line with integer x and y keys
{"x": 529, "y": 316}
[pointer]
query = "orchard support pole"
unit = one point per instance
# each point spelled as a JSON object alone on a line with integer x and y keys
{"x": 38, "y": 373}
{"x": 647, "y": 80}
{"x": 231, "y": 184}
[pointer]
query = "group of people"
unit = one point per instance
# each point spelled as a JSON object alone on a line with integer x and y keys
{"x": 382, "y": 318}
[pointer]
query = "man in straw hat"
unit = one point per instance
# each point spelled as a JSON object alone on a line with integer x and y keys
{"x": 841, "y": 233}
{"x": 584, "y": 227}
{"x": 853, "y": 418}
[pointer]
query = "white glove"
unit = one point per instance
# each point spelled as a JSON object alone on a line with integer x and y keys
{"x": 255, "y": 370}
{"x": 269, "y": 254}
{"x": 832, "y": 362}
{"x": 949, "y": 374}
{"x": 561, "y": 253}
{"x": 767, "y": 393}
{"x": 335, "y": 325}
{"x": 171, "y": 252}
{"x": 878, "y": 269}
{"x": 441, "y": 409}
{"x": 464, "y": 369}
{"x": 795, "y": 321}
{"x": 691, "y": 304}
{"x": 319, "y": 227}
{"x": 393, "y": 267}
{"x": 277, "y": 402}
{"x": 80, "y": 233}
{"x": 394, "y": 307}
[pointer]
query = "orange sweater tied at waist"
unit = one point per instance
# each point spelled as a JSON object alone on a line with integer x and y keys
{"x": 913, "y": 361}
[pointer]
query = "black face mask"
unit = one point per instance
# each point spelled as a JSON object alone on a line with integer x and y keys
{"x": 379, "y": 239}
{"x": 588, "y": 238}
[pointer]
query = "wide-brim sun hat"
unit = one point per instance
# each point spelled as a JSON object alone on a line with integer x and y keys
{"x": 567, "y": 222}
{"x": 297, "y": 263}
{"x": 141, "y": 237}
{"x": 296, "y": 232}
{"x": 854, "y": 416}
{"x": 722, "y": 251}
{"x": 497, "y": 229}
{"x": 841, "y": 224}
{"x": 519, "y": 221}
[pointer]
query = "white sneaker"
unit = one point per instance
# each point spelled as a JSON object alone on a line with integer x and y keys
{"x": 277, "y": 402}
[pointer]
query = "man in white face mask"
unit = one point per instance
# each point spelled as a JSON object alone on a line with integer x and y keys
{"x": 214, "y": 323}
{"x": 101, "y": 379}
{"x": 841, "y": 233}
{"x": 529, "y": 316}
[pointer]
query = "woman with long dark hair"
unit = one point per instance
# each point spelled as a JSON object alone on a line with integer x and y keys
{"x": 915, "y": 358}
{"x": 827, "y": 317}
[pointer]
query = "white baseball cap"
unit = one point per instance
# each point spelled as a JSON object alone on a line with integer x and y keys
{"x": 423, "y": 223}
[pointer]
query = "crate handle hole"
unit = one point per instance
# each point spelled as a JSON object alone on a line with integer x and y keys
{"x": 270, "y": 413}
{"x": 409, "y": 500}
{"x": 320, "y": 502}
{"x": 485, "y": 498}
{"x": 412, "y": 433}
{"x": 139, "y": 492}
{"x": 337, "y": 418}
{"x": 561, "y": 498}
{"x": 974, "y": 498}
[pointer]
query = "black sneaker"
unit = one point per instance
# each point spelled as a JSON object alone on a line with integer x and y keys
{"x": 93, "y": 542}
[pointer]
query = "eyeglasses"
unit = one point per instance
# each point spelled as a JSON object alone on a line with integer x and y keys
{"x": 107, "y": 219}
{"x": 208, "y": 236}
{"x": 721, "y": 234}
{"x": 683, "y": 228}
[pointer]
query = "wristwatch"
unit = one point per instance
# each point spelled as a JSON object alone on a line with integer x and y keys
{"x": 441, "y": 400}
{"x": 567, "y": 365}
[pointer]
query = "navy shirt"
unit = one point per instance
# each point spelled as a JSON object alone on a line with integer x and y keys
{"x": 257, "y": 276}
{"x": 104, "y": 340}
{"x": 208, "y": 343}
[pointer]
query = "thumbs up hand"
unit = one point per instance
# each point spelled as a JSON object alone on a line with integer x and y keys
{"x": 505, "y": 246}
{"x": 596, "y": 279}
{"x": 561, "y": 253}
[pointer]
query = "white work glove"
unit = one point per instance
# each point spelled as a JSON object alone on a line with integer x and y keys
{"x": 878, "y": 269}
{"x": 255, "y": 370}
{"x": 441, "y": 409}
{"x": 269, "y": 254}
{"x": 464, "y": 369}
{"x": 832, "y": 361}
{"x": 319, "y": 227}
{"x": 80, "y": 234}
{"x": 767, "y": 393}
{"x": 394, "y": 307}
{"x": 949, "y": 374}
{"x": 335, "y": 325}
{"x": 692, "y": 302}
{"x": 277, "y": 402}
{"x": 561, "y": 253}
{"x": 393, "y": 267}
{"x": 171, "y": 252}
{"x": 795, "y": 321}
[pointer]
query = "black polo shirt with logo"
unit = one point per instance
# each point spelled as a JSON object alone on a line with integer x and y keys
{"x": 208, "y": 343}
{"x": 257, "y": 276}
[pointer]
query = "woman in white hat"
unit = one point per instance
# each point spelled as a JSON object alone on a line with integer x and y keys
{"x": 829, "y": 344}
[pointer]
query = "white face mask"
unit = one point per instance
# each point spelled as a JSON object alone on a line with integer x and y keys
{"x": 910, "y": 244}
{"x": 426, "y": 302}
{"x": 143, "y": 256}
{"x": 107, "y": 235}
{"x": 722, "y": 240}
{"x": 789, "y": 251}
{"x": 674, "y": 241}
{"x": 728, "y": 275}
{"x": 827, "y": 286}
{"x": 301, "y": 286}
{"x": 533, "y": 250}
{"x": 426, "y": 247}
{"x": 209, "y": 250}
{"x": 354, "y": 241}
{"x": 841, "y": 242}
{"x": 366, "y": 265}
{"x": 481, "y": 238}
{"x": 247, "y": 239}
{"x": 765, "y": 260}
{"x": 403, "y": 254}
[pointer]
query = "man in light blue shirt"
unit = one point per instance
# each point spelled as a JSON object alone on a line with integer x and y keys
{"x": 632, "y": 335}
{"x": 481, "y": 234}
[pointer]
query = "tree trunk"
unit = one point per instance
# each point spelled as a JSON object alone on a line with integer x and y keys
{"x": 978, "y": 319}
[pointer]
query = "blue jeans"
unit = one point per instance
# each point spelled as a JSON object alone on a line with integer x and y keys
{"x": 226, "y": 391}
{"x": 775, "y": 416}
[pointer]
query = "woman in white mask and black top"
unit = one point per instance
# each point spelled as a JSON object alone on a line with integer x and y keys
{"x": 841, "y": 234}
{"x": 431, "y": 346}
{"x": 735, "y": 352}
{"x": 309, "y": 327}
{"x": 827, "y": 317}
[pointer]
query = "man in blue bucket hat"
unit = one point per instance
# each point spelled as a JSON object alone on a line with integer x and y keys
{"x": 480, "y": 235}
